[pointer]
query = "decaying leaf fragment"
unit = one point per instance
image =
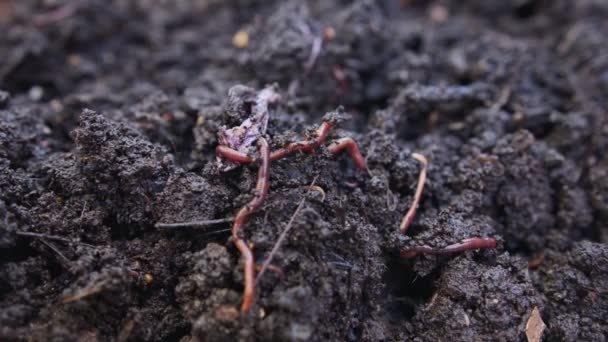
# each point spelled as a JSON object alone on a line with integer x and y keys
{"x": 242, "y": 137}
{"x": 535, "y": 326}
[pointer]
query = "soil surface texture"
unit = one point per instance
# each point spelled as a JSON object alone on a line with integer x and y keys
{"x": 109, "y": 120}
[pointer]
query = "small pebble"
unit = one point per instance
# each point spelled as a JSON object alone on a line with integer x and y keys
{"x": 240, "y": 39}
{"x": 36, "y": 93}
{"x": 329, "y": 33}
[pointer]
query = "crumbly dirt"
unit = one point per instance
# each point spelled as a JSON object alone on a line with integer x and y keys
{"x": 109, "y": 112}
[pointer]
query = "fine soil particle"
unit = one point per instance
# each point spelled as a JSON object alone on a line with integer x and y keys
{"x": 109, "y": 114}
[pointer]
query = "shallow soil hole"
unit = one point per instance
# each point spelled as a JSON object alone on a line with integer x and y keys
{"x": 406, "y": 290}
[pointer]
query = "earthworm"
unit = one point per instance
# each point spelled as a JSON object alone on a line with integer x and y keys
{"x": 464, "y": 245}
{"x": 304, "y": 146}
{"x": 409, "y": 216}
{"x": 241, "y": 219}
{"x": 351, "y": 147}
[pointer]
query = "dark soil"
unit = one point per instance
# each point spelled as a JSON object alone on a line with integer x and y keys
{"x": 108, "y": 118}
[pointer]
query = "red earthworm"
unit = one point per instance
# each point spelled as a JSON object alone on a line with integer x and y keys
{"x": 409, "y": 216}
{"x": 351, "y": 147}
{"x": 304, "y": 146}
{"x": 464, "y": 245}
{"x": 241, "y": 219}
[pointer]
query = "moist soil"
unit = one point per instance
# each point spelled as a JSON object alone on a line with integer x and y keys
{"x": 109, "y": 112}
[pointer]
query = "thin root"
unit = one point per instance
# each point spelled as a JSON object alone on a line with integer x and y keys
{"x": 317, "y": 44}
{"x": 53, "y": 237}
{"x": 193, "y": 224}
{"x": 273, "y": 268}
{"x": 86, "y": 292}
{"x": 56, "y": 250}
{"x": 283, "y": 235}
